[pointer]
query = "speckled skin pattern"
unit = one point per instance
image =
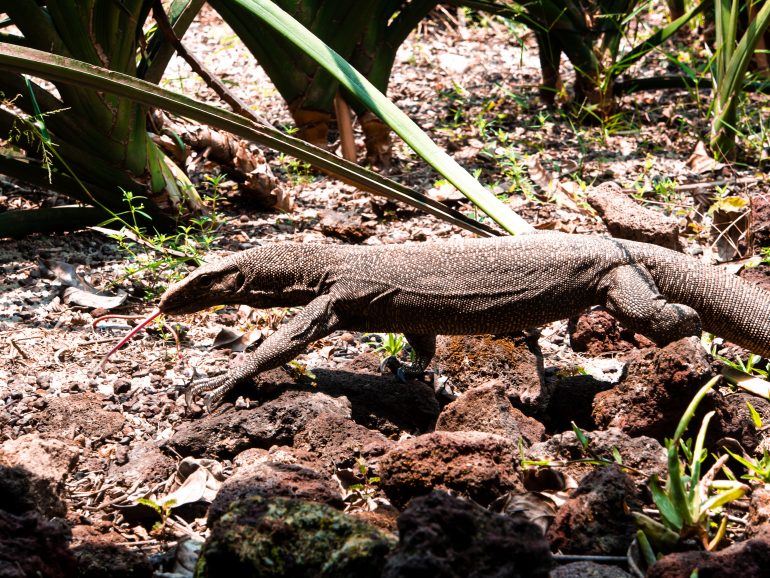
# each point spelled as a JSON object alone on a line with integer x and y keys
{"x": 470, "y": 286}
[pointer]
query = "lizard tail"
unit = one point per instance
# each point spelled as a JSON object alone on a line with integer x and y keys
{"x": 729, "y": 307}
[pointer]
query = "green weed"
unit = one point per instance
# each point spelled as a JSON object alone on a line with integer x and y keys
{"x": 690, "y": 499}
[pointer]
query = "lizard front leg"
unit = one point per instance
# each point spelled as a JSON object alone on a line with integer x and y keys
{"x": 318, "y": 319}
{"x": 633, "y": 297}
{"x": 424, "y": 347}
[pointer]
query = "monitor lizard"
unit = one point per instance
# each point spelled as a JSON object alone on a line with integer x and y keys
{"x": 493, "y": 285}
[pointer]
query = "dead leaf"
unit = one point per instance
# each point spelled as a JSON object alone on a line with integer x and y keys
{"x": 701, "y": 161}
{"x": 79, "y": 291}
{"x": 444, "y": 191}
{"x": 237, "y": 341}
{"x": 535, "y": 507}
{"x": 284, "y": 200}
{"x": 199, "y": 481}
{"x": 550, "y": 184}
{"x": 729, "y": 205}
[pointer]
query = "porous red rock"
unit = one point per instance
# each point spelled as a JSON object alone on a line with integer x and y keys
{"x": 759, "y": 511}
{"x": 588, "y": 570}
{"x": 144, "y": 461}
{"x": 474, "y": 360}
{"x": 101, "y": 554}
{"x": 734, "y": 419}
{"x": 487, "y": 408}
{"x": 441, "y": 535}
{"x": 289, "y": 538}
{"x": 273, "y": 479}
{"x": 659, "y": 385}
{"x": 641, "y": 453}
{"x": 480, "y": 465}
{"x": 625, "y": 219}
{"x": 747, "y": 559}
{"x": 82, "y": 413}
{"x": 228, "y": 431}
{"x": 33, "y": 546}
{"x": 760, "y": 219}
{"x": 596, "y": 518}
{"x": 381, "y": 402}
{"x": 338, "y": 442}
{"x": 346, "y": 226}
{"x": 34, "y": 471}
{"x": 597, "y": 332}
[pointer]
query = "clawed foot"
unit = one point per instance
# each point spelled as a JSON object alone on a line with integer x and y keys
{"x": 390, "y": 363}
{"x": 403, "y": 371}
{"x": 215, "y": 388}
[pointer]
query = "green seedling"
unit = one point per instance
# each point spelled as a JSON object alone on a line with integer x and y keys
{"x": 592, "y": 456}
{"x": 758, "y": 470}
{"x": 369, "y": 484}
{"x": 689, "y": 499}
{"x": 750, "y": 366}
{"x": 162, "y": 509}
{"x": 163, "y": 257}
{"x": 392, "y": 345}
{"x": 302, "y": 372}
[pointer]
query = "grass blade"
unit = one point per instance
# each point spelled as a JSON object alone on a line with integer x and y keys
{"x": 375, "y": 101}
{"x": 67, "y": 70}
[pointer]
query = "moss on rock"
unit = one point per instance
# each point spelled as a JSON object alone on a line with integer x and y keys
{"x": 282, "y": 537}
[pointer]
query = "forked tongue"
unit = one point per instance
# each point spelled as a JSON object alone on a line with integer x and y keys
{"x": 142, "y": 324}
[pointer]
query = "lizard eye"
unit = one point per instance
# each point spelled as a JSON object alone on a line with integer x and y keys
{"x": 206, "y": 281}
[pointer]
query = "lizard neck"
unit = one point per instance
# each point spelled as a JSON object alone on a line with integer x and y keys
{"x": 284, "y": 275}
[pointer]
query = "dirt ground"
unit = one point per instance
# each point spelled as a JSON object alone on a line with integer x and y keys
{"x": 103, "y": 438}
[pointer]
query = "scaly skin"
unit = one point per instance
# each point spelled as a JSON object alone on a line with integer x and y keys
{"x": 495, "y": 285}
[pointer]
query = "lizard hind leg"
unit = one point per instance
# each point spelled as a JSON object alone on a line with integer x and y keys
{"x": 633, "y": 297}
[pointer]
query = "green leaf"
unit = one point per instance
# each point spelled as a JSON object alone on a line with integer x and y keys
{"x": 697, "y": 459}
{"x": 661, "y": 536}
{"x": 151, "y": 504}
{"x": 667, "y": 509}
{"x": 729, "y": 205}
{"x": 755, "y": 417}
{"x": 580, "y": 436}
{"x": 731, "y": 64}
{"x": 690, "y": 411}
{"x": 375, "y": 101}
{"x": 656, "y": 40}
{"x": 645, "y": 548}
{"x": 723, "y": 498}
{"x": 67, "y": 70}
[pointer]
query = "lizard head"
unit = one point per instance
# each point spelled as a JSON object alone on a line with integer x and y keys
{"x": 219, "y": 283}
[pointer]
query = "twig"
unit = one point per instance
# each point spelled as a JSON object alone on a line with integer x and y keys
{"x": 95, "y": 492}
{"x": 101, "y": 318}
{"x": 18, "y": 348}
{"x": 719, "y": 183}
{"x": 708, "y": 477}
{"x": 345, "y": 126}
